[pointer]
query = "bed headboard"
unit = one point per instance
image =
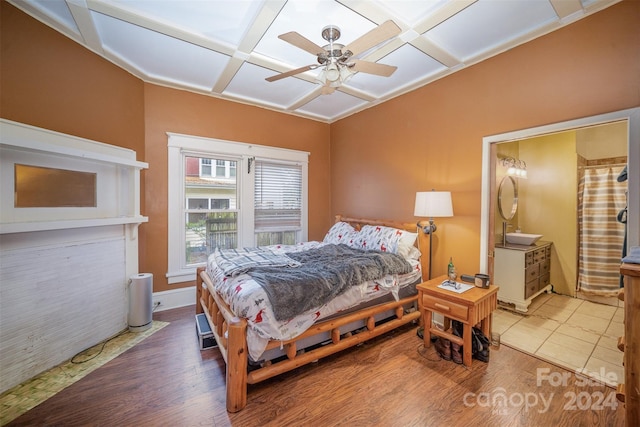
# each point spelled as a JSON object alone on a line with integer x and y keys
{"x": 358, "y": 223}
{"x": 422, "y": 242}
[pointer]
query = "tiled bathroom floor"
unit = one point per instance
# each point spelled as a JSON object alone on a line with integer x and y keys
{"x": 573, "y": 333}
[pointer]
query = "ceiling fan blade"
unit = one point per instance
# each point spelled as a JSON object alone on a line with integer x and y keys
{"x": 373, "y": 68}
{"x": 374, "y": 37}
{"x": 291, "y": 73}
{"x": 302, "y": 42}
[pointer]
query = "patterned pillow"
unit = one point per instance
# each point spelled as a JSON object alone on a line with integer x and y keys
{"x": 386, "y": 239}
{"x": 377, "y": 237}
{"x": 341, "y": 232}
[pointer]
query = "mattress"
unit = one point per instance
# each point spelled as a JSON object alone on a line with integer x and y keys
{"x": 247, "y": 299}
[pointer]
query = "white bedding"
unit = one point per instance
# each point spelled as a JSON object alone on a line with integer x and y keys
{"x": 248, "y": 299}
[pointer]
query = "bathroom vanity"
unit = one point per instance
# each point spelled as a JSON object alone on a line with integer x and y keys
{"x": 522, "y": 272}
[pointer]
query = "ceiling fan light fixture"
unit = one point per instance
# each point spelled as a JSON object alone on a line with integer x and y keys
{"x": 332, "y": 73}
{"x": 345, "y": 73}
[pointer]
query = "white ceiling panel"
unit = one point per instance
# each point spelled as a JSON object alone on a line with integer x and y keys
{"x": 227, "y": 48}
{"x": 158, "y": 56}
{"x": 486, "y": 25}
{"x": 282, "y": 93}
{"x": 412, "y": 11}
{"x": 224, "y": 20}
{"x": 57, "y": 11}
{"x": 332, "y": 106}
{"x": 413, "y": 66}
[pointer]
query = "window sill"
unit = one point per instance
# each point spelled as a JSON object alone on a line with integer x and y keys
{"x": 181, "y": 276}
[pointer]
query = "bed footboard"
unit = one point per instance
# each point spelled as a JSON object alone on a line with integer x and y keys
{"x": 230, "y": 333}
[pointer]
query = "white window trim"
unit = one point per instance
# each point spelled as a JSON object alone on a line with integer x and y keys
{"x": 179, "y": 144}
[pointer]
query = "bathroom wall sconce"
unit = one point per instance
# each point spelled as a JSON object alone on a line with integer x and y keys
{"x": 432, "y": 204}
{"x": 515, "y": 167}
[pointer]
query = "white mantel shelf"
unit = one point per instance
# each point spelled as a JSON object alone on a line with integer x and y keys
{"x": 116, "y": 169}
{"x": 26, "y": 227}
{"x": 21, "y": 136}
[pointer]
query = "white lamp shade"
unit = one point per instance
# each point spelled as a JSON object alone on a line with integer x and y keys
{"x": 433, "y": 204}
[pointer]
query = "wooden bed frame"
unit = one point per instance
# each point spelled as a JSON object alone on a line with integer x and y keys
{"x": 230, "y": 331}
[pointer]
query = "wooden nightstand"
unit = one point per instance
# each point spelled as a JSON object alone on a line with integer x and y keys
{"x": 470, "y": 307}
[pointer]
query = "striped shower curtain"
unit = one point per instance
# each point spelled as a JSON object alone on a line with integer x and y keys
{"x": 601, "y": 236}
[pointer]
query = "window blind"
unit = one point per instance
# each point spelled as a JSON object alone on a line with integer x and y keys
{"x": 278, "y": 195}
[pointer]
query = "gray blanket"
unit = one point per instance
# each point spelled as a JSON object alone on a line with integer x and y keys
{"x": 323, "y": 274}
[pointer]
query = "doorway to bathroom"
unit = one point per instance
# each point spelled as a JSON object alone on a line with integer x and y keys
{"x": 562, "y": 328}
{"x": 571, "y": 196}
{"x": 549, "y": 211}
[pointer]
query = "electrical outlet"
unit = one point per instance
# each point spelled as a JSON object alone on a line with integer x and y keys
{"x": 157, "y": 303}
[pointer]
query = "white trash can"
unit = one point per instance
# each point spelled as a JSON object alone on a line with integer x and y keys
{"x": 140, "y": 302}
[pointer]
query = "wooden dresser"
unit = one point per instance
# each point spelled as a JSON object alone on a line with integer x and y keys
{"x": 630, "y": 391}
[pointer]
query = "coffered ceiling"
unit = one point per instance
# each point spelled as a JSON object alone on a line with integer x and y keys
{"x": 227, "y": 48}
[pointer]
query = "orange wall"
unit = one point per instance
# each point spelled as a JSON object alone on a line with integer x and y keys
{"x": 432, "y": 137}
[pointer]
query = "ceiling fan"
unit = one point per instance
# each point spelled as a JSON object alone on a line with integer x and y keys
{"x": 338, "y": 61}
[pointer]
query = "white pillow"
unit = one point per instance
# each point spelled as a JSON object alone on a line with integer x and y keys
{"x": 406, "y": 245}
{"x": 341, "y": 232}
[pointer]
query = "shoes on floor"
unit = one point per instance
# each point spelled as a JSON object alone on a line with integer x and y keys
{"x": 456, "y": 353}
{"x": 481, "y": 347}
{"x": 443, "y": 347}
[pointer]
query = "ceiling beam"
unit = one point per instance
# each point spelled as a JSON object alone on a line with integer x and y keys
{"x": 86, "y": 26}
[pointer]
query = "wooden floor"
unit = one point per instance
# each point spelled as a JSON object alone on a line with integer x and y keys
{"x": 167, "y": 381}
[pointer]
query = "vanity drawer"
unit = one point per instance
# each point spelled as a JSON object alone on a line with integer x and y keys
{"x": 545, "y": 267}
{"x": 531, "y": 288}
{"x": 528, "y": 259}
{"x": 539, "y": 255}
{"x": 545, "y": 279}
{"x": 447, "y": 308}
{"x": 531, "y": 272}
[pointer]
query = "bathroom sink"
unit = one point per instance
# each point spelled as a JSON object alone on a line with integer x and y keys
{"x": 523, "y": 238}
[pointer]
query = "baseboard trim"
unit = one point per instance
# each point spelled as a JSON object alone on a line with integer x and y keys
{"x": 174, "y": 298}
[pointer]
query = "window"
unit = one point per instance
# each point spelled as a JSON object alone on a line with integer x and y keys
{"x": 205, "y": 167}
{"x": 210, "y": 214}
{"x": 254, "y": 196}
{"x": 221, "y": 168}
{"x": 219, "y": 203}
{"x": 197, "y": 203}
{"x": 277, "y": 203}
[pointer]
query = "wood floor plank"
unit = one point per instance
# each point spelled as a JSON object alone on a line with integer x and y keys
{"x": 390, "y": 381}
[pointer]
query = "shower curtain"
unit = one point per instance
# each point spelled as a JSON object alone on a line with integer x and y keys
{"x": 601, "y": 236}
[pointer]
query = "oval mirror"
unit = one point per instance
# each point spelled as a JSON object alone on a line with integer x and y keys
{"x": 508, "y": 198}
